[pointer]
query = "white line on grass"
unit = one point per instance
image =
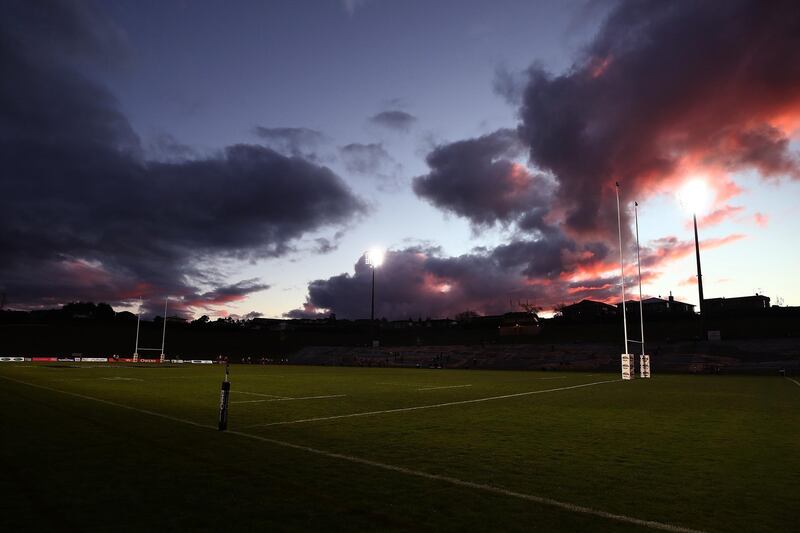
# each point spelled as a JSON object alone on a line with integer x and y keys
{"x": 175, "y": 377}
{"x": 261, "y": 394}
{"x": 578, "y": 509}
{"x": 290, "y": 399}
{"x": 446, "y": 387}
{"x": 432, "y": 406}
{"x": 794, "y": 381}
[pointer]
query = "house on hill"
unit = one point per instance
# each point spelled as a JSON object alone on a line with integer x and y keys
{"x": 588, "y": 310}
{"x": 659, "y": 307}
{"x": 758, "y": 302}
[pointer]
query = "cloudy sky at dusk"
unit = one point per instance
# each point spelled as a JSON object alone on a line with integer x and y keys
{"x": 242, "y": 156}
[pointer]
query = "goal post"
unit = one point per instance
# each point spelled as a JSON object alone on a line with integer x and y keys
{"x": 138, "y": 348}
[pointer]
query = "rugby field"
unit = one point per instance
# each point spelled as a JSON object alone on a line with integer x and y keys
{"x": 129, "y": 448}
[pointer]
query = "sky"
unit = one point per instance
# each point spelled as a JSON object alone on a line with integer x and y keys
{"x": 241, "y": 157}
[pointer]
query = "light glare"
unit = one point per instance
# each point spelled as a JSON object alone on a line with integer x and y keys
{"x": 695, "y": 196}
{"x": 375, "y": 257}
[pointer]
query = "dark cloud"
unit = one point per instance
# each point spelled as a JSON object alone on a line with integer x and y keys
{"x": 247, "y": 316}
{"x": 300, "y": 142}
{"x": 671, "y": 248}
{"x": 229, "y": 293}
{"x": 666, "y": 89}
{"x": 478, "y": 179}
{"x": 209, "y": 301}
{"x": 166, "y": 148}
{"x": 411, "y": 283}
{"x": 394, "y": 120}
{"x": 765, "y": 148}
{"x": 324, "y": 245}
{"x": 57, "y": 31}
{"x": 86, "y": 216}
{"x": 420, "y": 281}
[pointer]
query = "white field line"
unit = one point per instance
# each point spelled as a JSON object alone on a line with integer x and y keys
{"x": 578, "y": 509}
{"x": 432, "y": 406}
{"x": 555, "y": 377}
{"x": 794, "y": 381}
{"x": 446, "y": 387}
{"x": 120, "y": 378}
{"x": 176, "y": 377}
{"x": 261, "y": 394}
{"x": 290, "y": 399}
{"x": 392, "y": 383}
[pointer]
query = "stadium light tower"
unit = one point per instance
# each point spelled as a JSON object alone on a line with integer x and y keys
{"x": 374, "y": 258}
{"x": 694, "y": 197}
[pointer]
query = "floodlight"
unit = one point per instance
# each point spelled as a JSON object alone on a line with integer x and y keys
{"x": 695, "y": 195}
{"x": 374, "y": 257}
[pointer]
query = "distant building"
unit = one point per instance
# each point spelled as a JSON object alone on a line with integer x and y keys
{"x": 269, "y": 324}
{"x": 758, "y": 302}
{"x": 588, "y": 310}
{"x": 512, "y": 324}
{"x": 658, "y": 306}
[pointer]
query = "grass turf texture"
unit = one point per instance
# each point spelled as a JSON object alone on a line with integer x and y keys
{"x": 714, "y": 453}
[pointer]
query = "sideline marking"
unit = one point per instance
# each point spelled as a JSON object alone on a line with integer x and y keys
{"x": 120, "y": 378}
{"x": 290, "y": 399}
{"x": 579, "y": 509}
{"x": 793, "y": 381}
{"x": 446, "y": 387}
{"x": 418, "y": 407}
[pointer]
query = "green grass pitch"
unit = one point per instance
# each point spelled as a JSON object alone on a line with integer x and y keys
{"x": 121, "y": 448}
